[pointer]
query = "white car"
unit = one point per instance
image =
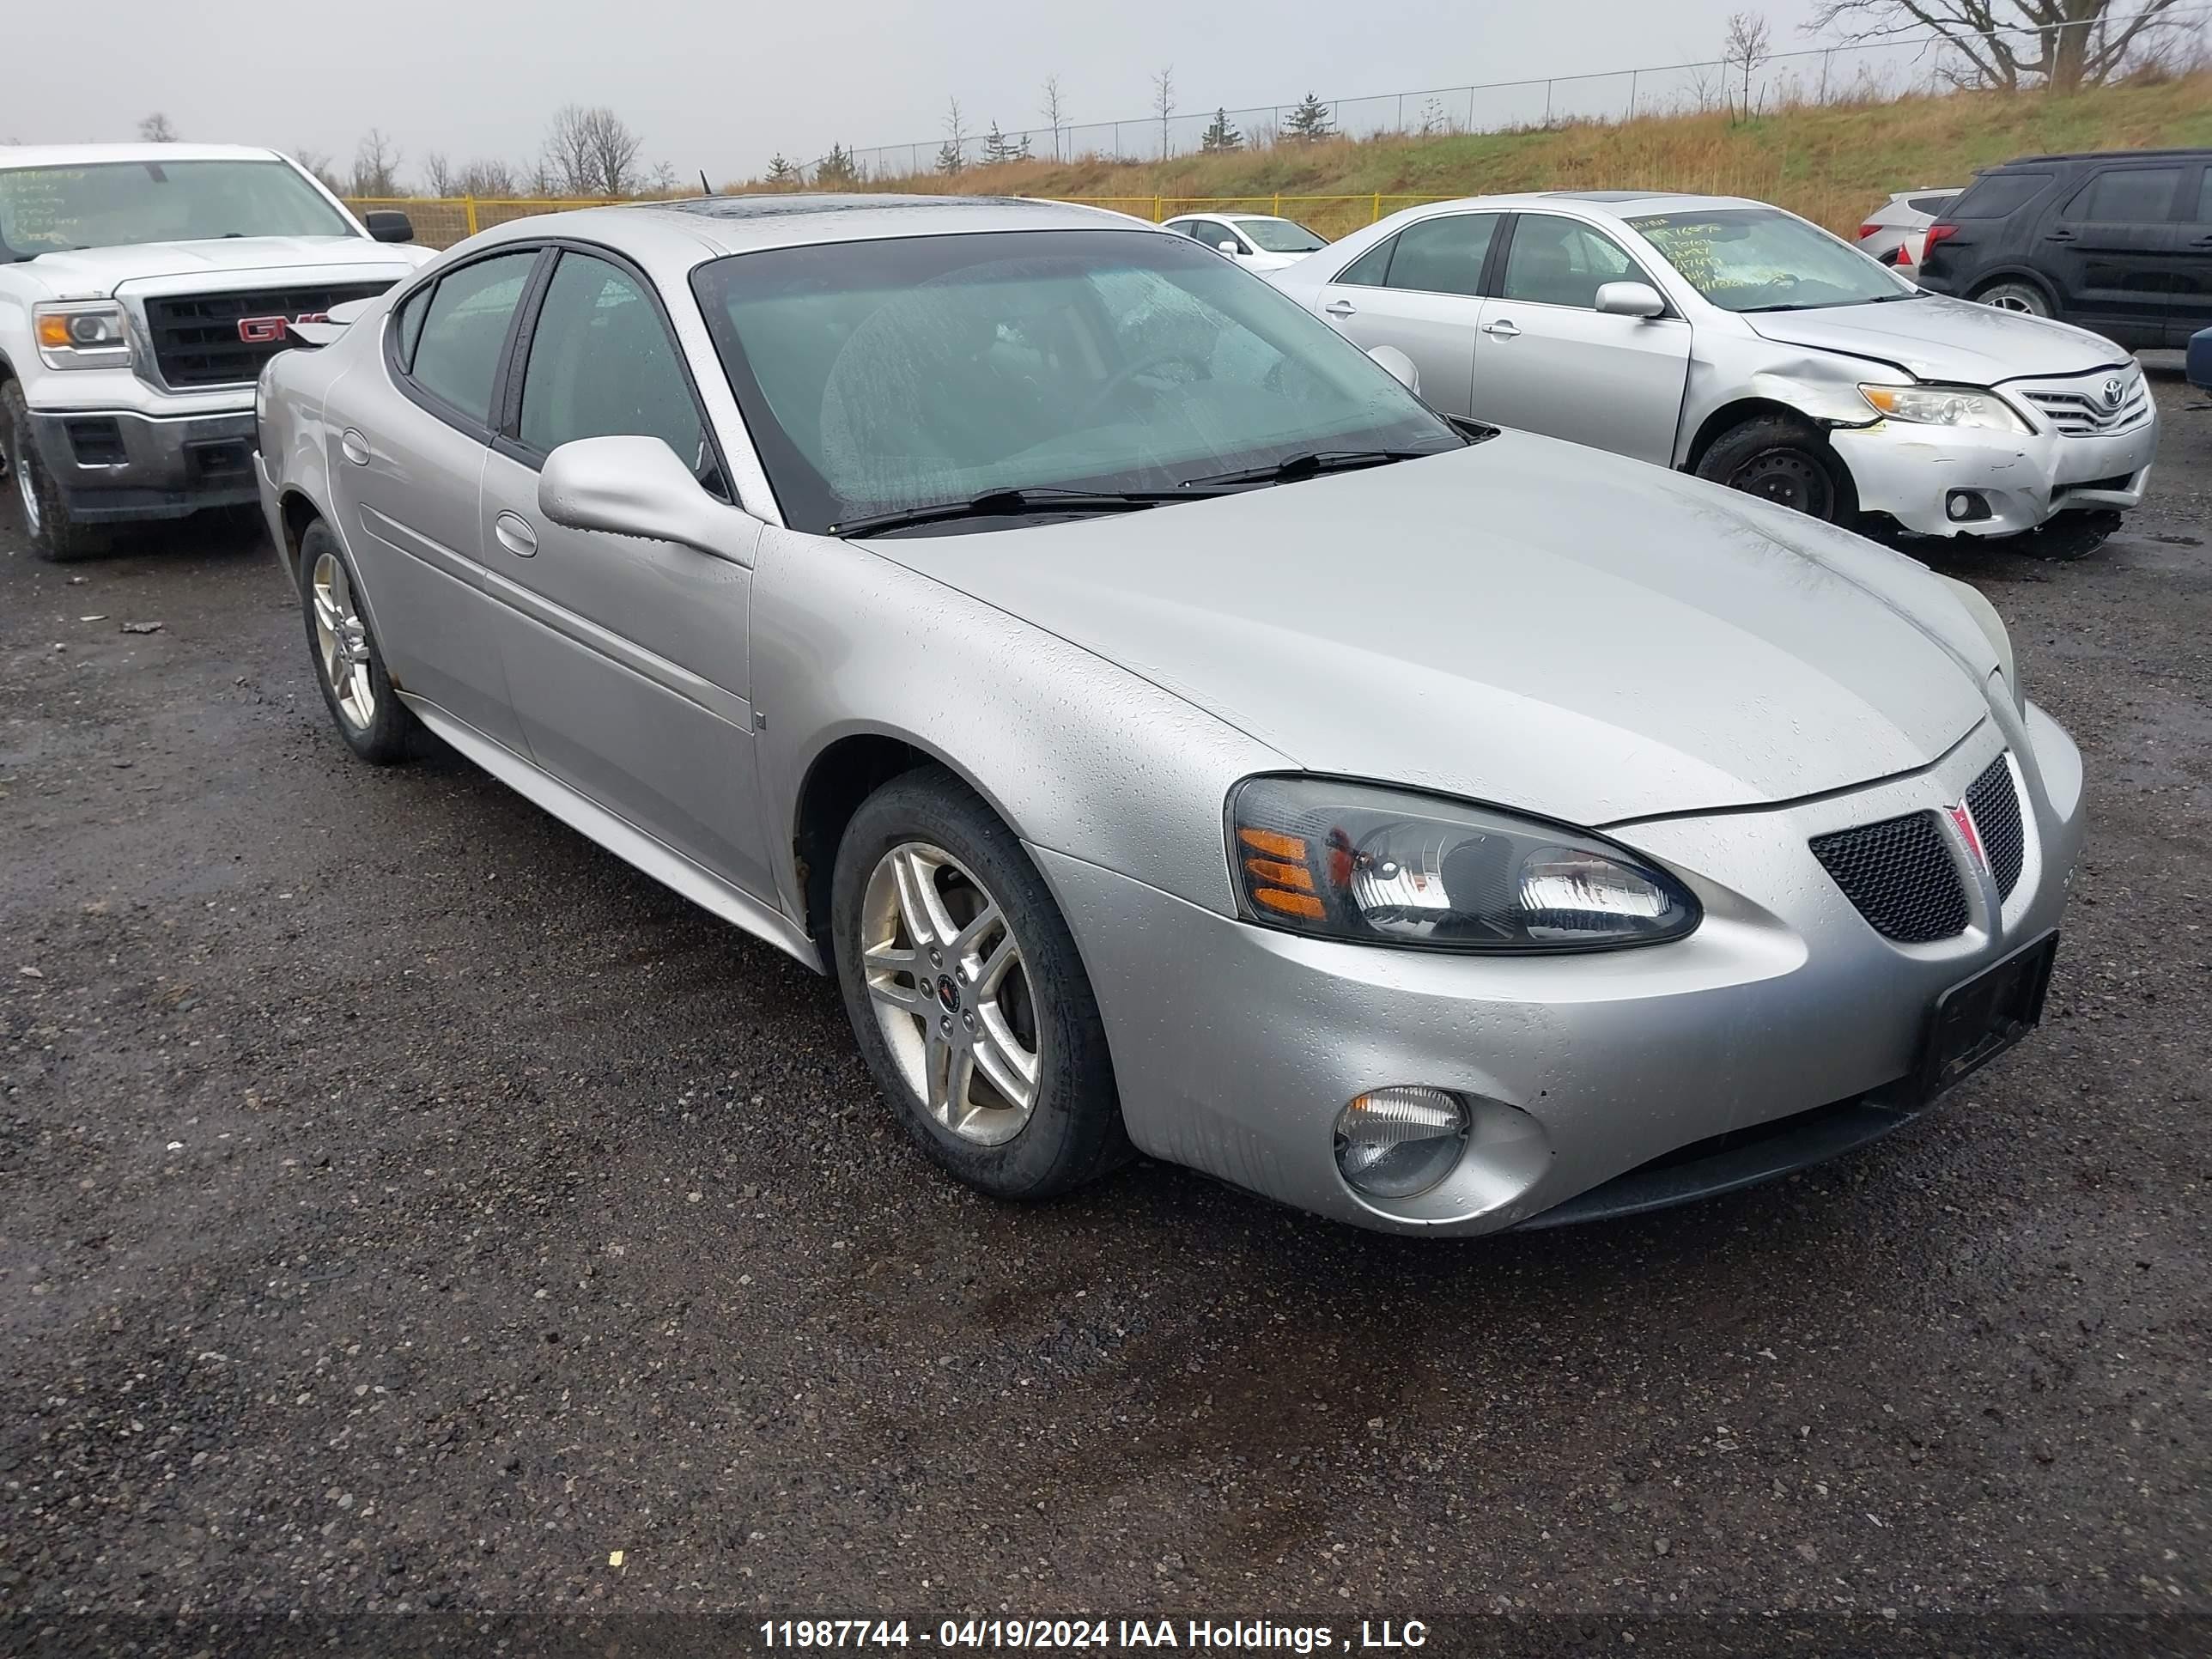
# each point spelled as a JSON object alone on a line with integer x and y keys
{"x": 1258, "y": 241}
{"x": 141, "y": 289}
{"x": 1896, "y": 233}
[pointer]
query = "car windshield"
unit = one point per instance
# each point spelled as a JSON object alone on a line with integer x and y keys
{"x": 884, "y": 375}
{"x": 1279, "y": 235}
{"x": 119, "y": 203}
{"x": 1763, "y": 259}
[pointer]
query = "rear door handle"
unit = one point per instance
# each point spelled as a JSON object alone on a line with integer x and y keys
{"x": 2058, "y": 236}
{"x": 1502, "y": 328}
{"x": 354, "y": 446}
{"x": 515, "y": 534}
{"x": 1340, "y": 308}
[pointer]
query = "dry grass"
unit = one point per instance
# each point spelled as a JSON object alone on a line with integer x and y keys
{"x": 1830, "y": 163}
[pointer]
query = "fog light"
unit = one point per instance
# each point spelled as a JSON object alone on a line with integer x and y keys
{"x": 1966, "y": 505}
{"x": 1400, "y": 1142}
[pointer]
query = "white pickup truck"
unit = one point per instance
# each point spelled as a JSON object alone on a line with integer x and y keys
{"x": 141, "y": 289}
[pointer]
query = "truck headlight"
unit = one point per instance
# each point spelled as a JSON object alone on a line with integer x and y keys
{"x": 82, "y": 335}
{"x": 1944, "y": 405}
{"x": 1384, "y": 866}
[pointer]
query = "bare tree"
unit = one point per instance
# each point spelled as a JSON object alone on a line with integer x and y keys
{"x": 439, "y": 177}
{"x": 2063, "y": 43}
{"x": 952, "y": 153}
{"x": 318, "y": 161}
{"x": 1746, "y": 48}
{"x": 1055, "y": 111}
{"x": 375, "y": 166}
{"x": 156, "y": 129}
{"x": 592, "y": 152}
{"x": 1163, "y": 103}
{"x": 488, "y": 180}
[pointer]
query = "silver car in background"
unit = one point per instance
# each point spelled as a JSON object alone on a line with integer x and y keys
{"x": 1730, "y": 339}
{"x": 1171, "y": 732}
{"x": 1896, "y": 233}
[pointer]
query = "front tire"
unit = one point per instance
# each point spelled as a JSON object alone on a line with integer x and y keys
{"x": 1783, "y": 461}
{"x": 348, "y": 667}
{"x": 2013, "y": 294}
{"x": 965, "y": 992}
{"x": 53, "y": 533}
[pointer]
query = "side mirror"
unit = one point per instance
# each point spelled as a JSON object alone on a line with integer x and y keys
{"x": 388, "y": 225}
{"x": 1228, "y": 248}
{"x": 1401, "y": 367}
{"x": 1629, "y": 299}
{"x": 631, "y": 486}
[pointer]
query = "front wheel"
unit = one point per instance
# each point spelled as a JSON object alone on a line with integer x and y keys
{"x": 1785, "y": 462}
{"x": 965, "y": 989}
{"x": 54, "y": 534}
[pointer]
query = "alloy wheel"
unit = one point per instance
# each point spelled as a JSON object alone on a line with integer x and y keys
{"x": 341, "y": 643}
{"x": 952, "y": 993}
{"x": 28, "y": 490}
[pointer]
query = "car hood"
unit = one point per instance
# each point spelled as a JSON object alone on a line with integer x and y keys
{"x": 1526, "y": 621}
{"x": 1938, "y": 338}
{"x": 97, "y": 273}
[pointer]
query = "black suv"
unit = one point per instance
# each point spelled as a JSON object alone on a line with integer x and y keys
{"x": 2119, "y": 242}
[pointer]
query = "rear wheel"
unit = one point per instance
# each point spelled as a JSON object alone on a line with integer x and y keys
{"x": 53, "y": 533}
{"x": 965, "y": 989}
{"x": 1783, "y": 461}
{"x": 356, "y": 688}
{"x": 2014, "y": 295}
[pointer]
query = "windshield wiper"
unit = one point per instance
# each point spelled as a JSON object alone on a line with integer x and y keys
{"x": 1007, "y": 503}
{"x": 1294, "y": 467}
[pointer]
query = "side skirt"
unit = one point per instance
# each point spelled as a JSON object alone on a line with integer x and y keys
{"x": 619, "y": 836}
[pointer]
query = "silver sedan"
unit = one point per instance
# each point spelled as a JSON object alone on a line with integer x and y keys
{"x": 1173, "y": 734}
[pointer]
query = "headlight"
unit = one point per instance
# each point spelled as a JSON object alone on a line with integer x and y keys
{"x": 81, "y": 336}
{"x": 1381, "y": 867}
{"x": 1944, "y": 405}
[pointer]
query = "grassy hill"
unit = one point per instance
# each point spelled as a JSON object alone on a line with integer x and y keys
{"x": 1830, "y": 163}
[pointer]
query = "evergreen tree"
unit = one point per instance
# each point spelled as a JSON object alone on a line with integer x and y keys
{"x": 1309, "y": 123}
{"x": 1219, "y": 137}
{"x": 783, "y": 171}
{"x": 998, "y": 148}
{"x": 836, "y": 168}
{"x": 950, "y": 162}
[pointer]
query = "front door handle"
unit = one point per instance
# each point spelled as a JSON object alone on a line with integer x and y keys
{"x": 354, "y": 446}
{"x": 515, "y": 535}
{"x": 1502, "y": 328}
{"x": 1340, "y": 308}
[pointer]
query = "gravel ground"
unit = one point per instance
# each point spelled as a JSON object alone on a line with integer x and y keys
{"x": 405, "y": 1206}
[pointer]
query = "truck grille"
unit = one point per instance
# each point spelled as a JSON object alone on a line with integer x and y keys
{"x": 2079, "y": 409}
{"x": 1995, "y": 807}
{"x": 196, "y": 337}
{"x": 1900, "y": 875}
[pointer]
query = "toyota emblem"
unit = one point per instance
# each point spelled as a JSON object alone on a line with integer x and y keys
{"x": 2113, "y": 390}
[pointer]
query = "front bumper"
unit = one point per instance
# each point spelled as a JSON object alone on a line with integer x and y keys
{"x": 1235, "y": 1047}
{"x": 1909, "y": 471}
{"x": 119, "y": 465}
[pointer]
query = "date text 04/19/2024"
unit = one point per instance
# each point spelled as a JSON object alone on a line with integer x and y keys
{"x": 1252, "y": 1635}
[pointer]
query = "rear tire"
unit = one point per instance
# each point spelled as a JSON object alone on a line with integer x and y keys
{"x": 375, "y": 724}
{"x": 2013, "y": 295}
{"x": 1784, "y": 461}
{"x": 967, "y": 995}
{"x": 53, "y": 533}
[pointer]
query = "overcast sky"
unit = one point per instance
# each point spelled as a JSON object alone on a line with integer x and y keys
{"x": 723, "y": 86}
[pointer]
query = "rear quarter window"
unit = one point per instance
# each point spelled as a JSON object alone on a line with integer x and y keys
{"x": 1997, "y": 196}
{"x": 1931, "y": 205}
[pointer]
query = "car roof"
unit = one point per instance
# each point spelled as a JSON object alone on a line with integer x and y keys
{"x": 744, "y": 224}
{"x": 2101, "y": 156}
{"x": 80, "y": 156}
{"x": 1599, "y": 203}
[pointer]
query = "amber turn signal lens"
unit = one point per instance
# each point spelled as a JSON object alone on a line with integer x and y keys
{"x": 1273, "y": 844}
{"x": 54, "y": 332}
{"x": 1283, "y": 875}
{"x": 1290, "y": 905}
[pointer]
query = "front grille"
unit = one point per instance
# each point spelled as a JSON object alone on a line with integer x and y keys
{"x": 1900, "y": 875}
{"x": 2079, "y": 409}
{"x": 195, "y": 336}
{"x": 1995, "y": 807}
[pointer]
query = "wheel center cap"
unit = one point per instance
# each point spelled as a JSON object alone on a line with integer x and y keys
{"x": 948, "y": 993}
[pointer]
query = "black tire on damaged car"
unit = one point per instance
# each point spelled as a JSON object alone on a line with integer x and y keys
{"x": 1784, "y": 460}
{"x": 53, "y": 533}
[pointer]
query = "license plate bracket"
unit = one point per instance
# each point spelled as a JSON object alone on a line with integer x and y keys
{"x": 1978, "y": 1018}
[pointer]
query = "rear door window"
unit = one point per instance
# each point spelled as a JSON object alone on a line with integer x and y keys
{"x": 463, "y": 330}
{"x": 2203, "y": 215}
{"x": 1372, "y": 268}
{"x": 1996, "y": 196}
{"x": 2127, "y": 196}
{"x": 1445, "y": 255}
